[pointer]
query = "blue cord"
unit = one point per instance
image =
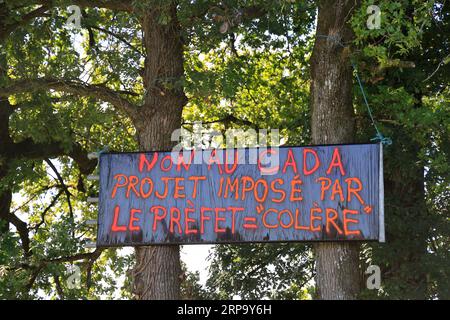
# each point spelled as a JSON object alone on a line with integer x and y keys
{"x": 379, "y": 136}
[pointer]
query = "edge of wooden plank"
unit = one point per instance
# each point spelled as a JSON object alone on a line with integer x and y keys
{"x": 381, "y": 236}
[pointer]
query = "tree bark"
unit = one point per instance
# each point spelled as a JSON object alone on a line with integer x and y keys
{"x": 5, "y": 195}
{"x": 157, "y": 274}
{"x": 338, "y": 274}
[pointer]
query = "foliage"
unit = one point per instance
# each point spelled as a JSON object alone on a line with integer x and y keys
{"x": 246, "y": 66}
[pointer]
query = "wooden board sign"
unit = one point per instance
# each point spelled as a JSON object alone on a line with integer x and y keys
{"x": 311, "y": 193}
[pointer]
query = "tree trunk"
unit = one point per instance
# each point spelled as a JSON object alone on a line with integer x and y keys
{"x": 338, "y": 274}
{"x": 5, "y": 204}
{"x": 157, "y": 274}
{"x": 406, "y": 200}
{"x": 5, "y": 112}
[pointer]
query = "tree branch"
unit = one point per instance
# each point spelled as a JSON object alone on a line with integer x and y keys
{"x": 58, "y": 286}
{"x": 43, "y": 213}
{"x": 89, "y": 268}
{"x": 118, "y": 38}
{"x": 38, "y": 268}
{"x": 22, "y": 229}
{"x": 227, "y": 119}
{"x": 79, "y": 155}
{"x": 115, "y": 5}
{"x": 443, "y": 61}
{"x": 29, "y": 149}
{"x": 99, "y": 92}
{"x": 64, "y": 187}
{"x": 79, "y": 256}
{"x": 7, "y": 29}
{"x": 34, "y": 276}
